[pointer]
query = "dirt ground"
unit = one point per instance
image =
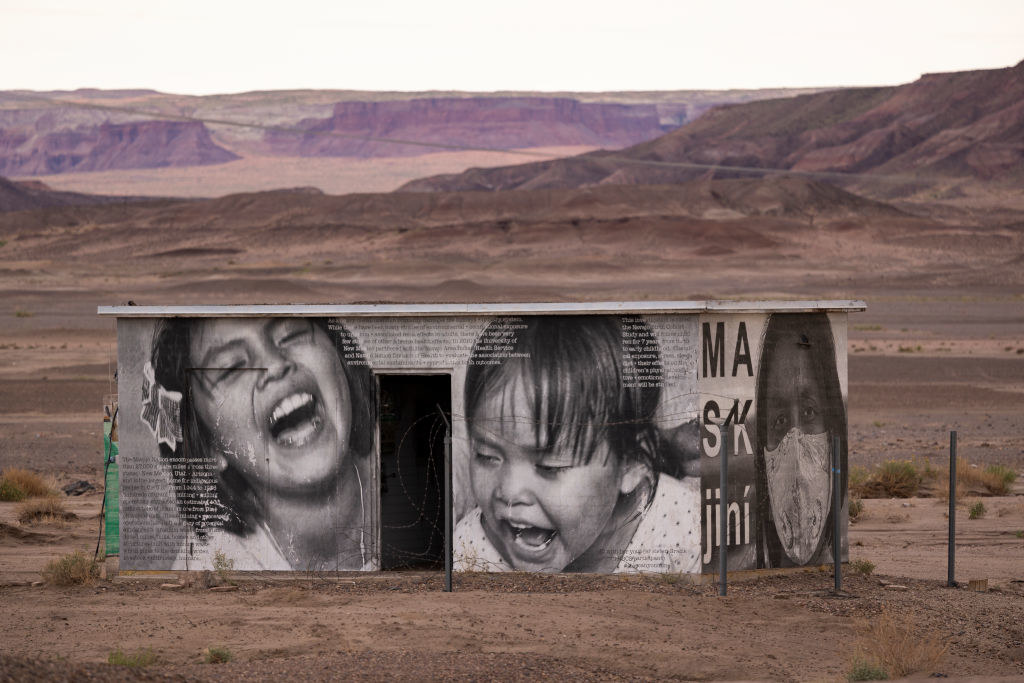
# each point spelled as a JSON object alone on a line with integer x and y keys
{"x": 940, "y": 348}
{"x": 523, "y": 627}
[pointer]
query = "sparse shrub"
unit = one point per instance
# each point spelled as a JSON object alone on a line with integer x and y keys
{"x": 993, "y": 479}
{"x": 1020, "y": 533}
{"x": 891, "y": 479}
{"x": 222, "y": 564}
{"x": 48, "y": 509}
{"x": 862, "y": 567}
{"x": 856, "y": 508}
{"x": 863, "y": 670}
{"x": 898, "y": 647}
{"x": 976, "y": 510}
{"x": 22, "y": 313}
{"x": 857, "y": 476}
{"x": 10, "y": 492}
{"x": 73, "y": 569}
{"x": 30, "y": 483}
{"x": 1003, "y": 473}
{"x": 137, "y": 659}
{"x": 218, "y": 655}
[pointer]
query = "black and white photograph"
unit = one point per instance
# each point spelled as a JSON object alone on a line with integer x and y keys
{"x": 266, "y": 429}
{"x": 800, "y": 412}
{"x": 567, "y": 459}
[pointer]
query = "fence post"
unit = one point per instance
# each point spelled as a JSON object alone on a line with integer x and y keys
{"x": 723, "y": 511}
{"x": 837, "y": 511}
{"x": 951, "y": 582}
{"x": 448, "y": 509}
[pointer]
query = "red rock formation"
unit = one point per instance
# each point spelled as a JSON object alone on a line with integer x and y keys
{"x": 141, "y": 144}
{"x": 487, "y": 122}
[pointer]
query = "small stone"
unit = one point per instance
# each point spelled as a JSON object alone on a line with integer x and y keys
{"x": 883, "y": 582}
{"x": 77, "y": 488}
{"x": 224, "y": 589}
{"x": 896, "y": 587}
{"x": 171, "y": 586}
{"x": 37, "y": 584}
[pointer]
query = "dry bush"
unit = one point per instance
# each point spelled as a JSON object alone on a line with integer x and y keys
{"x": 857, "y": 475}
{"x": 856, "y": 508}
{"x": 73, "y": 569}
{"x": 862, "y": 567}
{"x": 47, "y": 509}
{"x": 133, "y": 660}
{"x": 891, "y": 479}
{"x": 861, "y": 670}
{"x": 9, "y": 492}
{"x": 995, "y": 480}
{"x": 1003, "y": 475}
{"x": 899, "y": 647}
{"x": 218, "y": 655}
{"x": 29, "y": 483}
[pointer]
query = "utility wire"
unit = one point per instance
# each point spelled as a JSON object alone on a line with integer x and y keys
{"x": 750, "y": 170}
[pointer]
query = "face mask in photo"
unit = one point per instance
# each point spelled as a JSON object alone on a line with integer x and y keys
{"x": 800, "y": 491}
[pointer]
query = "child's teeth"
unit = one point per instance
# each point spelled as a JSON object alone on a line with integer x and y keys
{"x": 290, "y": 404}
{"x": 535, "y": 538}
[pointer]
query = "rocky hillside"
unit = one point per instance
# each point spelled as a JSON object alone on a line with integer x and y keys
{"x": 952, "y": 125}
{"x": 24, "y": 196}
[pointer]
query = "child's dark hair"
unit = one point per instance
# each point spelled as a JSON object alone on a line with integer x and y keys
{"x": 236, "y": 508}
{"x": 582, "y": 385}
{"x": 809, "y": 333}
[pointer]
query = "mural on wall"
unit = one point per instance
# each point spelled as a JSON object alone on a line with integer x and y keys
{"x": 774, "y": 386}
{"x": 569, "y": 469}
{"x": 800, "y": 407}
{"x": 266, "y": 428}
{"x": 579, "y": 443}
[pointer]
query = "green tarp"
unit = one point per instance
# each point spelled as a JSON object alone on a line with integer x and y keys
{"x": 112, "y": 529}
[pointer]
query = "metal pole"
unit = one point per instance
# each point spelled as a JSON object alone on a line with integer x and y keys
{"x": 447, "y": 509}
{"x": 837, "y": 512}
{"x": 951, "y": 582}
{"x": 723, "y": 512}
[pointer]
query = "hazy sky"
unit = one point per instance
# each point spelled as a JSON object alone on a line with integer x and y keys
{"x": 209, "y": 46}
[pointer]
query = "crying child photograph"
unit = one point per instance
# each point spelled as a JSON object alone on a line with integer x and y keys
{"x": 568, "y": 466}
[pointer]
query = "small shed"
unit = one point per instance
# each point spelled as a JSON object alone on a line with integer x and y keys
{"x": 535, "y": 437}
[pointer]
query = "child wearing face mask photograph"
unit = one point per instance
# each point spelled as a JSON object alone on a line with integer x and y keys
{"x": 566, "y": 461}
{"x": 800, "y": 409}
{"x": 267, "y": 432}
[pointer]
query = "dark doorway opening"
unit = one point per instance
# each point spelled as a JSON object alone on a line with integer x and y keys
{"x": 412, "y": 472}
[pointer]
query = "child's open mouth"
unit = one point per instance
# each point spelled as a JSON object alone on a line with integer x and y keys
{"x": 295, "y": 420}
{"x": 532, "y": 538}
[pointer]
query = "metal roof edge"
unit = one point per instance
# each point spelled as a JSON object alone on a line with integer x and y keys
{"x": 394, "y": 310}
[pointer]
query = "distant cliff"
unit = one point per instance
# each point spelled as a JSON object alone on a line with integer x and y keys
{"x": 491, "y": 122}
{"x": 139, "y": 144}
